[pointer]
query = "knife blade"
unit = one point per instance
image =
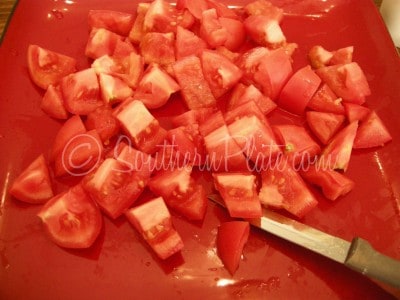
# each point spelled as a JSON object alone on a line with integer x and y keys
{"x": 357, "y": 255}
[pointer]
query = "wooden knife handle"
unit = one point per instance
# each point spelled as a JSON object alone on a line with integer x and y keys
{"x": 369, "y": 262}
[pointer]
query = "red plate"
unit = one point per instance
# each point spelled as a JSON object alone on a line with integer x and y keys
{"x": 120, "y": 265}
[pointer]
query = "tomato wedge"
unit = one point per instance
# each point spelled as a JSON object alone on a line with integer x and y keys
{"x": 33, "y": 185}
{"x": 48, "y": 67}
{"x": 72, "y": 219}
{"x": 53, "y": 103}
{"x": 231, "y": 239}
{"x": 153, "y": 221}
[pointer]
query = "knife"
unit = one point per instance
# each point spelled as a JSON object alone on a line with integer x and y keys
{"x": 357, "y": 255}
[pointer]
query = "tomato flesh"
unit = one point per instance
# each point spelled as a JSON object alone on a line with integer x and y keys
{"x": 33, "y": 185}
{"x": 72, "y": 219}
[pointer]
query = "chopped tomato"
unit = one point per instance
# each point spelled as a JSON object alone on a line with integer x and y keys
{"x": 264, "y": 31}
{"x": 188, "y": 43}
{"x": 371, "y": 133}
{"x": 194, "y": 116}
{"x": 319, "y": 57}
{"x": 347, "y": 81}
{"x": 247, "y": 109}
{"x": 332, "y": 183}
{"x": 123, "y": 48}
{"x": 103, "y": 121}
{"x": 324, "y": 100}
{"x": 72, "y": 219}
{"x": 194, "y": 88}
{"x": 144, "y": 130}
{"x": 324, "y": 125}
{"x": 153, "y": 221}
{"x": 220, "y": 73}
{"x": 71, "y": 128}
{"x": 115, "y": 21}
{"x": 80, "y": 155}
{"x": 356, "y": 112}
{"x": 298, "y": 145}
{"x": 113, "y": 89}
{"x": 213, "y": 122}
{"x": 158, "y": 48}
{"x": 53, "y": 103}
{"x": 196, "y": 8}
{"x": 231, "y": 239}
{"x": 211, "y": 29}
{"x": 242, "y": 94}
{"x": 256, "y": 139}
{"x": 298, "y": 91}
{"x": 33, "y": 185}
{"x": 342, "y": 56}
{"x": 180, "y": 192}
{"x": 138, "y": 31}
{"x": 115, "y": 186}
{"x": 264, "y": 8}
{"x": 101, "y": 42}
{"x": 236, "y": 33}
{"x": 224, "y": 154}
{"x": 337, "y": 153}
{"x": 157, "y": 87}
{"x": 238, "y": 190}
{"x": 222, "y": 9}
{"x": 48, "y": 67}
{"x": 81, "y": 92}
{"x": 282, "y": 187}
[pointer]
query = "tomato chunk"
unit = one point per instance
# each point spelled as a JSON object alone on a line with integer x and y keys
{"x": 72, "y": 219}
{"x": 115, "y": 21}
{"x": 188, "y": 43}
{"x": 332, "y": 183}
{"x": 113, "y": 89}
{"x": 298, "y": 90}
{"x": 103, "y": 121}
{"x": 231, "y": 239}
{"x": 282, "y": 187}
{"x": 144, "y": 130}
{"x": 48, "y": 67}
{"x": 158, "y": 48}
{"x": 371, "y": 133}
{"x": 101, "y": 42}
{"x": 211, "y": 29}
{"x": 325, "y": 100}
{"x": 194, "y": 88}
{"x": 81, "y": 92}
{"x": 324, "y": 125}
{"x": 33, "y": 185}
{"x": 153, "y": 221}
{"x": 53, "y": 103}
{"x": 239, "y": 193}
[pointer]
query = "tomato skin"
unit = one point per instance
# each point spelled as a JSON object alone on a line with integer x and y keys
{"x": 238, "y": 190}
{"x": 299, "y": 147}
{"x": 33, "y": 185}
{"x": 80, "y": 155}
{"x": 118, "y": 22}
{"x": 153, "y": 221}
{"x": 371, "y": 133}
{"x": 336, "y": 155}
{"x": 72, "y": 219}
{"x": 194, "y": 88}
{"x": 298, "y": 91}
{"x": 71, "y": 128}
{"x": 81, "y": 92}
{"x": 48, "y": 67}
{"x": 332, "y": 183}
{"x": 231, "y": 239}
{"x": 53, "y": 103}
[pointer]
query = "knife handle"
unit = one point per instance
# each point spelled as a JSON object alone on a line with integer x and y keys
{"x": 369, "y": 262}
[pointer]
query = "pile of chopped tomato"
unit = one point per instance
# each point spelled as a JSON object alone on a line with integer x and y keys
{"x": 231, "y": 68}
